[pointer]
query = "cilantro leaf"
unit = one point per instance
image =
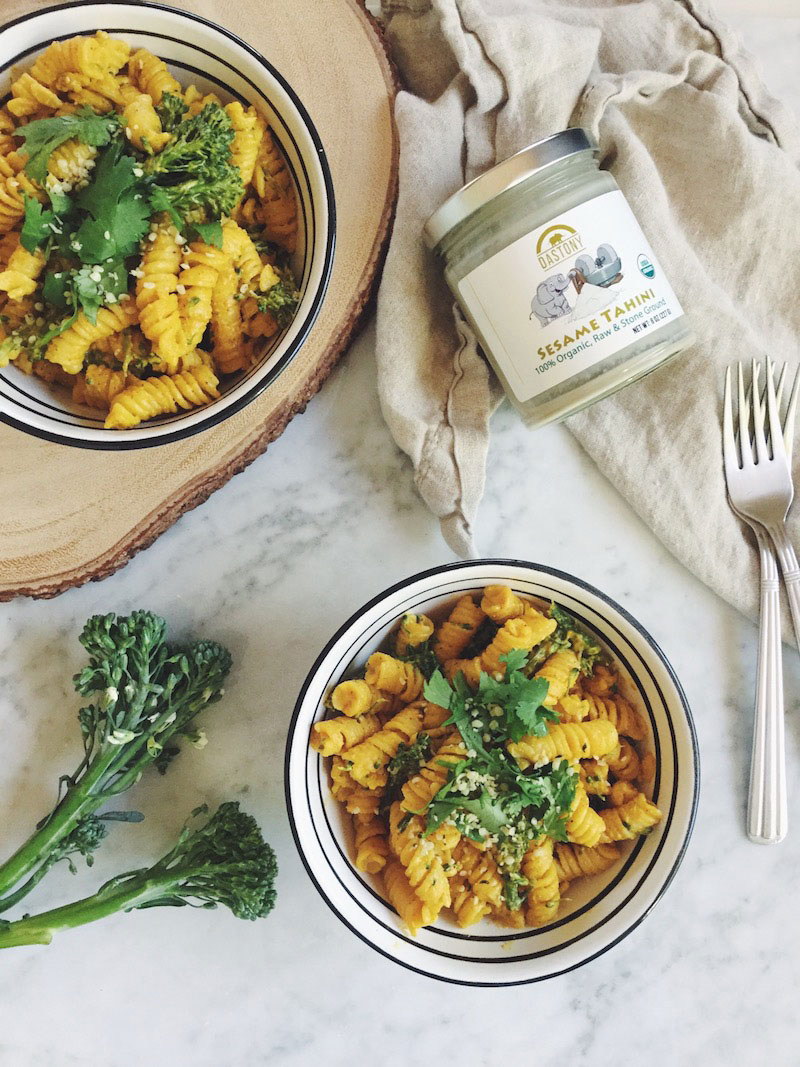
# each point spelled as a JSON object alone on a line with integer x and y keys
{"x": 57, "y": 289}
{"x": 36, "y": 225}
{"x": 43, "y": 136}
{"x": 209, "y": 232}
{"x": 437, "y": 690}
{"x": 117, "y": 208}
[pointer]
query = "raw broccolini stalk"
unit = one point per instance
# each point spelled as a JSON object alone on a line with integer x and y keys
{"x": 226, "y": 862}
{"x": 148, "y": 694}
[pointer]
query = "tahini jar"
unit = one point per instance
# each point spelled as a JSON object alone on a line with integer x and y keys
{"x": 556, "y": 277}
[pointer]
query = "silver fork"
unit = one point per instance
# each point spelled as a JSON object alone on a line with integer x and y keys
{"x": 760, "y": 492}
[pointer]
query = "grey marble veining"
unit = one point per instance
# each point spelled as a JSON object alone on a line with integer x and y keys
{"x": 272, "y": 565}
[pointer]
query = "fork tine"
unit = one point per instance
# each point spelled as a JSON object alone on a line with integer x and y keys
{"x": 758, "y": 417}
{"x": 780, "y": 385}
{"x": 744, "y": 419}
{"x": 791, "y": 413}
{"x": 775, "y": 431}
{"x": 729, "y": 452}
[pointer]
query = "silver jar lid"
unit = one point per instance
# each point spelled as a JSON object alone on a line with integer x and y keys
{"x": 504, "y": 176}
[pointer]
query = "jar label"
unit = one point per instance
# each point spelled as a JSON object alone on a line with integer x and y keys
{"x": 569, "y": 294}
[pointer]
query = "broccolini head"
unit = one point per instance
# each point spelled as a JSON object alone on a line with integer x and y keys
{"x": 227, "y": 861}
{"x": 195, "y": 171}
{"x": 280, "y": 300}
{"x": 120, "y": 645}
{"x": 170, "y": 111}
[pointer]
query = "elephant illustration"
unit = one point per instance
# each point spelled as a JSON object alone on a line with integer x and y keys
{"x": 549, "y": 303}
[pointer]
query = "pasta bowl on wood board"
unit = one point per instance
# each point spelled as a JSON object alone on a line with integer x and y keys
{"x": 222, "y": 68}
{"x": 614, "y": 745}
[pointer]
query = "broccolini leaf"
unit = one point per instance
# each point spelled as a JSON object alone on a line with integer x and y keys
{"x": 43, "y": 136}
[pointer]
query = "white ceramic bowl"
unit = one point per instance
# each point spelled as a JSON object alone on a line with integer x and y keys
{"x": 216, "y": 60}
{"x": 602, "y": 910}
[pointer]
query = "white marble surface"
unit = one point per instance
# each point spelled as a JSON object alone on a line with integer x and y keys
{"x": 271, "y": 565}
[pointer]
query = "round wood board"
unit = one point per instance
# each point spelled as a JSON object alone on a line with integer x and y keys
{"x": 63, "y": 519}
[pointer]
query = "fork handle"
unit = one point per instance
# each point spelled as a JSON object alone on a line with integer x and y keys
{"x": 767, "y": 813}
{"x": 791, "y": 574}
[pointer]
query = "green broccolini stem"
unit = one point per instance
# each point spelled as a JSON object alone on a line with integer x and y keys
{"x": 39, "y": 929}
{"x": 78, "y": 801}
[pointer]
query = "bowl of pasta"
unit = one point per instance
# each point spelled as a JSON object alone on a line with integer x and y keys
{"x": 491, "y": 773}
{"x": 166, "y": 224}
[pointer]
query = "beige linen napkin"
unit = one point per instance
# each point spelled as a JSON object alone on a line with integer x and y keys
{"x": 709, "y": 163}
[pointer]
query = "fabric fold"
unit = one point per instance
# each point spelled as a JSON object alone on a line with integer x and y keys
{"x": 709, "y": 163}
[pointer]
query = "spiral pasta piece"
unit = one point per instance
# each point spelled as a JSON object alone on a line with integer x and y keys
{"x": 248, "y": 129}
{"x": 69, "y": 349}
{"x": 602, "y": 682}
{"x": 414, "y": 631}
{"x": 238, "y": 245}
{"x": 150, "y": 75}
{"x": 594, "y": 775}
{"x": 98, "y": 385}
{"x": 333, "y": 736}
{"x": 22, "y": 272}
{"x": 372, "y": 846}
{"x": 142, "y": 124}
{"x": 70, "y": 166}
{"x": 538, "y": 866}
{"x": 616, "y": 709}
{"x": 501, "y": 604}
{"x": 273, "y": 185}
{"x": 433, "y": 719}
{"x": 505, "y": 916}
{"x": 92, "y": 56}
{"x": 157, "y": 295}
{"x": 631, "y": 819}
{"x": 560, "y": 670}
{"x": 368, "y": 760}
{"x": 576, "y": 861}
{"x": 476, "y": 885}
{"x": 584, "y": 825}
{"x": 623, "y": 761}
{"x": 570, "y": 740}
{"x": 15, "y": 185}
{"x": 355, "y": 697}
{"x": 402, "y": 897}
{"x": 356, "y": 798}
{"x": 457, "y": 630}
{"x": 420, "y": 789}
{"x": 621, "y": 792}
{"x": 422, "y": 859}
{"x": 517, "y": 633}
{"x": 198, "y": 276}
{"x": 394, "y": 676}
{"x": 572, "y": 708}
{"x": 230, "y": 354}
{"x": 163, "y": 395}
{"x": 29, "y": 98}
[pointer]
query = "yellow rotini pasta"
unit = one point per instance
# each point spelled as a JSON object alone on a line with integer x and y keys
{"x": 333, "y": 736}
{"x": 576, "y": 861}
{"x": 414, "y": 630}
{"x": 248, "y": 129}
{"x": 368, "y": 760}
{"x": 394, "y": 676}
{"x": 162, "y": 396}
{"x": 142, "y": 124}
{"x": 456, "y": 632}
{"x": 569, "y": 740}
{"x": 69, "y": 349}
{"x": 453, "y": 829}
{"x": 616, "y": 709}
{"x": 98, "y": 386}
{"x": 273, "y": 186}
{"x": 22, "y": 272}
{"x": 560, "y": 671}
{"x": 539, "y": 868}
{"x": 157, "y": 294}
{"x": 150, "y": 75}
{"x": 372, "y": 846}
{"x": 631, "y": 819}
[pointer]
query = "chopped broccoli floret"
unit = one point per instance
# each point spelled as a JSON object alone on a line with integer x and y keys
{"x": 194, "y": 172}
{"x": 170, "y": 111}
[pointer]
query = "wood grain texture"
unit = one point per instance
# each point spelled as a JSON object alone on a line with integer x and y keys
{"x": 71, "y": 515}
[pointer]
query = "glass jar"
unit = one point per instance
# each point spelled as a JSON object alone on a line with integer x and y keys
{"x": 551, "y": 268}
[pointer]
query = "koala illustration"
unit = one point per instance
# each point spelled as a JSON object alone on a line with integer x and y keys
{"x": 549, "y": 303}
